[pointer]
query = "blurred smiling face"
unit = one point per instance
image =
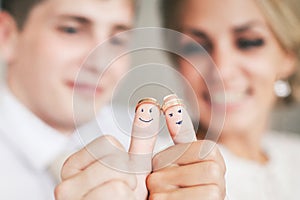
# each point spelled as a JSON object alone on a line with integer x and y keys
{"x": 247, "y": 55}
{"x": 57, "y": 37}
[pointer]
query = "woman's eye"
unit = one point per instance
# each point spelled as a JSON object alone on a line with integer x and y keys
{"x": 171, "y": 114}
{"x": 150, "y": 110}
{"x": 142, "y": 110}
{"x": 179, "y": 111}
{"x": 248, "y": 44}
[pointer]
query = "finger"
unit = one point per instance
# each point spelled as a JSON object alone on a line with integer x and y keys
{"x": 198, "y": 192}
{"x": 117, "y": 190}
{"x": 95, "y": 150}
{"x": 93, "y": 176}
{"x": 143, "y": 138}
{"x": 178, "y": 120}
{"x": 168, "y": 179}
{"x": 183, "y": 154}
{"x": 144, "y": 133}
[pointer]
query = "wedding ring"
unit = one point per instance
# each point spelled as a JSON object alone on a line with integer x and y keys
{"x": 147, "y": 100}
{"x": 171, "y": 101}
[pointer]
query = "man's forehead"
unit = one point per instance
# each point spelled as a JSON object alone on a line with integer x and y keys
{"x": 120, "y": 11}
{"x": 83, "y": 4}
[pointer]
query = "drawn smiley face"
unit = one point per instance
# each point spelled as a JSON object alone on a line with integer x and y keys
{"x": 145, "y": 113}
{"x": 175, "y": 115}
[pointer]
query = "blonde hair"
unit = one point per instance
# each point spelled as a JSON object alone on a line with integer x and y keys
{"x": 283, "y": 17}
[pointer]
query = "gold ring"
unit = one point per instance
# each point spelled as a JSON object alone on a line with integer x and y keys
{"x": 171, "y": 103}
{"x": 147, "y": 100}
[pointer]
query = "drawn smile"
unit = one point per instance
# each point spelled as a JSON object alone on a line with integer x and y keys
{"x": 146, "y": 121}
{"x": 179, "y": 122}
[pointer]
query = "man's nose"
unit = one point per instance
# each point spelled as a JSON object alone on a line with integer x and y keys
{"x": 101, "y": 54}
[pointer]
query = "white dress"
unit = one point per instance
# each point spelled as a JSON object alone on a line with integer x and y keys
{"x": 279, "y": 179}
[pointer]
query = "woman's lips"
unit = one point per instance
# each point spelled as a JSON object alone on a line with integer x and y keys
{"x": 85, "y": 88}
{"x": 227, "y": 99}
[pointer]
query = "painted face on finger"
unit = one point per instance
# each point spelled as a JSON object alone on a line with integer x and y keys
{"x": 147, "y": 112}
{"x": 174, "y": 115}
{"x": 173, "y": 109}
{"x": 178, "y": 120}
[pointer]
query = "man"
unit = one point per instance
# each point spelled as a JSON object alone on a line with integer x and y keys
{"x": 44, "y": 44}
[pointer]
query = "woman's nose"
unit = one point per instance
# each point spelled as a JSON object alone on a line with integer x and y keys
{"x": 225, "y": 60}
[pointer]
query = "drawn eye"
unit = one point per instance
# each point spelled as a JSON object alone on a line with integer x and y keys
{"x": 171, "y": 114}
{"x": 142, "y": 110}
{"x": 150, "y": 110}
{"x": 179, "y": 111}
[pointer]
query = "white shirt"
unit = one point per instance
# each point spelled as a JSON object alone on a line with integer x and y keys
{"x": 27, "y": 147}
{"x": 279, "y": 179}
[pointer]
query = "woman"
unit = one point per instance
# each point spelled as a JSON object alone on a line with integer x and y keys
{"x": 254, "y": 44}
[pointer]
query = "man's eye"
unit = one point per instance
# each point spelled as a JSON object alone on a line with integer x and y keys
{"x": 192, "y": 49}
{"x": 171, "y": 114}
{"x": 116, "y": 41}
{"x": 248, "y": 44}
{"x": 119, "y": 41}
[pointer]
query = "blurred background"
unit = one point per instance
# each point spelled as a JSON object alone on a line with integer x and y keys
{"x": 283, "y": 118}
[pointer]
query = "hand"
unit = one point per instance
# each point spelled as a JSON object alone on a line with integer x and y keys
{"x": 104, "y": 170}
{"x": 189, "y": 170}
{"x": 188, "y": 176}
{"x": 86, "y": 175}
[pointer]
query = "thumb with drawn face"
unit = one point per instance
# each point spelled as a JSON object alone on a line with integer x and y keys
{"x": 178, "y": 120}
{"x": 143, "y": 137}
{"x": 179, "y": 172}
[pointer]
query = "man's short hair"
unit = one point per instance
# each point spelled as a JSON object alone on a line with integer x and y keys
{"x": 19, "y": 9}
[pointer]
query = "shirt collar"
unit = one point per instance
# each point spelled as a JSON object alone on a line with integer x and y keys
{"x": 33, "y": 139}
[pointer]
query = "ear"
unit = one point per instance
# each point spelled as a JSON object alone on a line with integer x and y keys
{"x": 288, "y": 67}
{"x": 8, "y": 36}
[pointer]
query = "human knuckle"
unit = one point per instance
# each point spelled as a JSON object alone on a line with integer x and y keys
{"x": 215, "y": 171}
{"x": 215, "y": 193}
{"x": 153, "y": 179}
{"x": 61, "y": 191}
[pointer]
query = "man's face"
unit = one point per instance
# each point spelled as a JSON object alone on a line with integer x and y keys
{"x": 57, "y": 37}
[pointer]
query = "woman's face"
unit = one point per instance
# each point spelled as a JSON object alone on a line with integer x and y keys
{"x": 247, "y": 55}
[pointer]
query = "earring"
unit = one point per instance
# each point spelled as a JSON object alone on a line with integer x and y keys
{"x": 282, "y": 88}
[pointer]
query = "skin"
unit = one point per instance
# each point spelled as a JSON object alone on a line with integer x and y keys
{"x": 249, "y": 59}
{"x": 178, "y": 121}
{"x": 43, "y": 61}
{"x": 178, "y": 172}
{"x": 143, "y": 138}
{"x": 45, "y": 57}
{"x": 190, "y": 169}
